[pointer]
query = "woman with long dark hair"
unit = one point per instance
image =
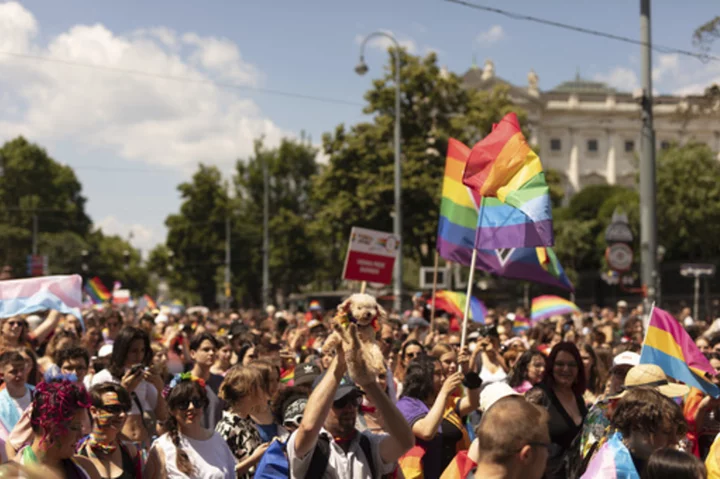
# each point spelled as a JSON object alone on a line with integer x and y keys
{"x": 187, "y": 450}
{"x": 595, "y": 374}
{"x": 130, "y": 366}
{"x": 410, "y": 350}
{"x": 435, "y": 415}
{"x": 528, "y": 371}
{"x": 561, "y": 393}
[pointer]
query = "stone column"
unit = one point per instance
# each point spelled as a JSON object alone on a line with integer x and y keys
{"x": 574, "y": 167}
{"x": 611, "y": 172}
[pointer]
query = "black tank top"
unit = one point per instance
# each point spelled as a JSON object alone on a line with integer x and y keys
{"x": 128, "y": 465}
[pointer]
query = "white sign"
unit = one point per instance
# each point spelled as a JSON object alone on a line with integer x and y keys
{"x": 371, "y": 256}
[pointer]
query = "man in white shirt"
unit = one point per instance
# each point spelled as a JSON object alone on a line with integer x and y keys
{"x": 327, "y": 445}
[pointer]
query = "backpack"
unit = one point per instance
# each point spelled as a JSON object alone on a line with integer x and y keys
{"x": 321, "y": 456}
{"x": 274, "y": 463}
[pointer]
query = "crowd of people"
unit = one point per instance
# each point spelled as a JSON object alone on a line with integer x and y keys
{"x": 225, "y": 394}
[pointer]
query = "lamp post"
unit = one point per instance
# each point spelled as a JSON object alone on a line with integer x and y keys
{"x": 361, "y": 69}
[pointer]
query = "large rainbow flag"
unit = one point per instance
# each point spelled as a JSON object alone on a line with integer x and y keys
{"x": 458, "y": 223}
{"x": 669, "y": 346}
{"x": 454, "y": 303}
{"x": 98, "y": 292}
{"x": 516, "y": 212}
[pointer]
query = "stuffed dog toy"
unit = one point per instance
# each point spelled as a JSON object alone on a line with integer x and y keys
{"x": 356, "y": 322}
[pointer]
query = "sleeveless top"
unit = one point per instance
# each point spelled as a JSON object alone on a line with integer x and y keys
{"x": 128, "y": 464}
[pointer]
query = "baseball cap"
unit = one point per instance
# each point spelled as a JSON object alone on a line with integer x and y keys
{"x": 105, "y": 350}
{"x": 417, "y": 322}
{"x": 306, "y": 374}
{"x": 293, "y": 412}
{"x": 651, "y": 375}
{"x": 622, "y": 304}
{"x": 626, "y": 358}
{"x": 346, "y": 388}
{"x": 493, "y": 393}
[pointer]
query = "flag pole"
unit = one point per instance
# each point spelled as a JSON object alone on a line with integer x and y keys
{"x": 434, "y": 291}
{"x": 363, "y": 286}
{"x": 646, "y": 323}
{"x": 467, "y": 298}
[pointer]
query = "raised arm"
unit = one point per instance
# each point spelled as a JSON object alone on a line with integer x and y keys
{"x": 318, "y": 406}
{"x": 46, "y": 327}
{"x": 401, "y": 437}
{"x": 427, "y": 427}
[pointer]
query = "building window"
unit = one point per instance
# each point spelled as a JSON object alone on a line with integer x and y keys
{"x": 592, "y": 146}
{"x": 629, "y": 146}
{"x": 555, "y": 144}
{"x": 664, "y": 145}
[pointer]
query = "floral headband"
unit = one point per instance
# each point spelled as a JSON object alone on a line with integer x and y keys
{"x": 181, "y": 378}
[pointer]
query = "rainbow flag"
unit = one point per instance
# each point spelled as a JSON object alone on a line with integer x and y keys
{"x": 516, "y": 212}
{"x": 669, "y": 346}
{"x": 458, "y": 224}
{"x": 454, "y": 303}
{"x": 315, "y": 305}
{"x": 546, "y": 306}
{"x": 90, "y": 294}
{"x": 520, "y": 325}
{"x": 100, "y": 292}
{"x": 150, "y": 302}
{"x": 287, "y": 375}
{"x": 411, "y": 463}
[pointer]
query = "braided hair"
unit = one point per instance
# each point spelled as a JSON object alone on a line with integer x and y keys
{"x": 184, "y": 389}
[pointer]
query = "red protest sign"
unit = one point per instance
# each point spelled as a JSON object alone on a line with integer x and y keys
{"x": 371, "y": 256}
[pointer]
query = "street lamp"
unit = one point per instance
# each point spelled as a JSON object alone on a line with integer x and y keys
{"x": 361, "y": 69}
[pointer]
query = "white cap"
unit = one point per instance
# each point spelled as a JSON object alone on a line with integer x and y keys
{"x": 510, "y": 316}
{"x": 105, "y": 350}
{"x": 493, "y": 393}
{"x": 161, "y": 318}
{"x": 622, "y": 304}
{"x": 627, "y": 358}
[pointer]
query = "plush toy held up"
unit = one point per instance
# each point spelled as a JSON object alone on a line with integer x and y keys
{"x": 359, "y": 315}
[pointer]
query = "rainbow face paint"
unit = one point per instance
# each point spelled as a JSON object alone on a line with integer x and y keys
{"x": 110, "y": 399}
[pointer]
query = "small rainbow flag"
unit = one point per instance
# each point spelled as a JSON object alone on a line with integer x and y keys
{"x": 90, "y": 294}
{"x": 287, "y": 375}
{"x": 99, "y": 291}
{"x": 315, "y": 305}
{"x": 516, "y": 211}
{"x": 150, "y": 302}
{"x": 520, "y": 325}
{"x": 454, "y": 303}
{"x": 546, "y": 306}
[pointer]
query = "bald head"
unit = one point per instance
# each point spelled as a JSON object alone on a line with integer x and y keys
{"x": 507, "y": 426}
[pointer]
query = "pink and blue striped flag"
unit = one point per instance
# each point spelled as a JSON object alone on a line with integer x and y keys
{"x": 25, "y": 296}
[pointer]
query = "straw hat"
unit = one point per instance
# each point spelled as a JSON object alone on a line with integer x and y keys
{"x": 650, "y": 375}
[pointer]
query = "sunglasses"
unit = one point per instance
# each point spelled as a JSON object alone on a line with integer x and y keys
{"x": 115, "y": 408}
{"x": 412, "y": 355}
{"x": 342, "y": 403}
{"x": 196, "y": 402}
{"x": 12, "y": 324}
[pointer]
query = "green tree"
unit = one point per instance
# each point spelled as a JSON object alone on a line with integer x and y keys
{"x": 33, "y": 184}
{"x": 196, "y": 235}
{"x": 356, "y": 188}
{"x": 291, "y": 168}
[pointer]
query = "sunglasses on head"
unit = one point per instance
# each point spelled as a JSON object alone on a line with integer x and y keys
{"x": 196, "y": 402}
{"x": 115, "y": 408}
{"x": 342, "y": 403}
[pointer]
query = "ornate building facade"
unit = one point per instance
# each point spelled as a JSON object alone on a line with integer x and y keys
{"x": 590, "y": 133}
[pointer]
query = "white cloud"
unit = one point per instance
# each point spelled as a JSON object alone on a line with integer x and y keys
{"x": 137, "y": 117}
{"x": 491, "y": 36}
{"x": 666, "y": 65}
{"x": 140, "y": 236}
{"x": 622, "y": 78}
{"x": 383, "y": 42}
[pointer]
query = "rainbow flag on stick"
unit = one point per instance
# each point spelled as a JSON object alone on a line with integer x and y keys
{"x": 150, "y": 302}
{"x": 669, "y": 346}
{"x": 99, "y": 291}
{"x": 547, "y": 306}
{"x": 458, "y": 223}
{"x": 454, "y": 303}
{"x": 516, "y": 212}
{"x": 287, "y": 375}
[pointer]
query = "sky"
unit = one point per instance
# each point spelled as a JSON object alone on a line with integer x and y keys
{"x": 178, "y": 82}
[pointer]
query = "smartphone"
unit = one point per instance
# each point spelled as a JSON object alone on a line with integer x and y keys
{"x": 137, "y": 368}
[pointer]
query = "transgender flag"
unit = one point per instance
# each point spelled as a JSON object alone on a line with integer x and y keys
{"x": 25, "y": 296}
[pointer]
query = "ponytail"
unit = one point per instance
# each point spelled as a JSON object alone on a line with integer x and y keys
{"x": 181, "y": 458}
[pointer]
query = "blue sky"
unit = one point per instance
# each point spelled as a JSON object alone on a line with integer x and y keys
{"x": 133, "y": 138}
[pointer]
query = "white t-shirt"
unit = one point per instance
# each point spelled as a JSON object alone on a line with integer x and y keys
{"x": 212, "y": 457}
{"x": 146, "y": 392}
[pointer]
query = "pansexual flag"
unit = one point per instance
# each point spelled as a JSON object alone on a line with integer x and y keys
{"x": 669, "y": 346}
{"x": 454, "y": 303}
{"x": 100, "y": 292}
{"x": 516, "y": 211}
{"x": 25, "y": 296}
{"x": 458, "y": 224}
